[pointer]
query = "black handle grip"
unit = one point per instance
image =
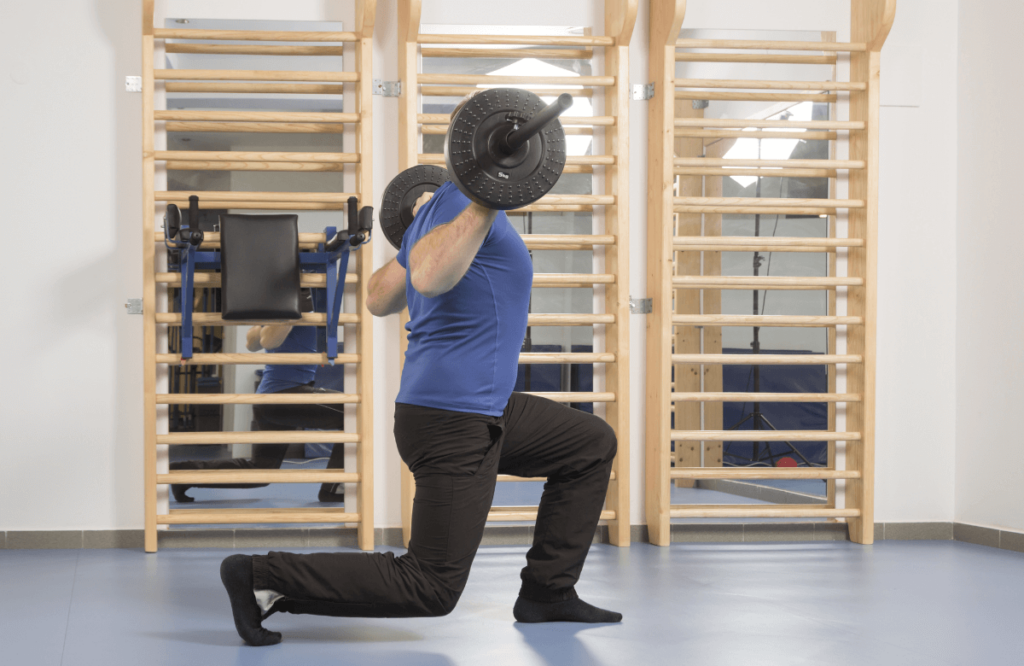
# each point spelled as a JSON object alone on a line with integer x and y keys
{"x": 366, "y": 218}
{"x": 193, "y": 212}
{"x": 517, "y": 138}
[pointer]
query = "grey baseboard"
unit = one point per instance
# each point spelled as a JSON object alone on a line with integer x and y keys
{"x": 504, "y": 535}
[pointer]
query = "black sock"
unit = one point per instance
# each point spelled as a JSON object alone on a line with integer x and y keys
{"x": 570, "y": 610}
{"x": 178, "y": 491}
{"x": 236, "y": 574}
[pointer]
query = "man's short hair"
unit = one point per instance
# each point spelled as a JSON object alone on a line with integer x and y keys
{"x": 462, "y": 103}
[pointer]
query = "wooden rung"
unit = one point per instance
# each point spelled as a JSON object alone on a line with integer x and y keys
{"x": 773, "y": 321}
{"x": 213, "y": 238}
{"x": 462, "y": 91}
{"x": 761, "y": 248}
{"x": 565, "y": 357}
{"x": 487, "y": 79}
{"x": 768, "y": 242}
{"x": 214, "y": 204}
{"x": 539, "y": 40}
{"x": 257, "y": 128}
{"x": 767, "y": 359}
{"x": 789, "y": 164}
{"x": 253, "y": 166}
{"x": 229, "y": 516}
{"x": 752, "y": 473}
{"x": 267, "y": 88}
{"x": 546, "y": 54}
{"x": 753, "y": 134}
{"x": 568, "y": 131}
{"x": 824, "y": 98}
{"x": 763, "y": 436}
{"x": 572, "y": 279}
{"x": 731, "y": 123}
{"x": 568, "y": 396}
{"x": 760, "y": 511}
{"x": 315, "y": 280}
{"x": 252, "y": 75}
{"x": 569, "y": 319}
{"x": 510, "y": 478}
{"x": 770, "y": 45}
{"x": 258, "y": 476}
{"x": 751, "y": 282}
{"x": 753, "y": 210}
{"x": 255, "y": 35}
{"x": 261, "y": 437}
{"x": 258, "y": 116}
{"x": 214, "y": 319}
{"x": 269, "y": 157}
{"x": 589, "y": 160}
{"x": 259, "y": 358}
{"x": 256, "y": 197}
{"x": 768, "y": 202}
{"x": 724, "y": 172}
{"x": 508, "y": 514}
{"x": 751, "y": 84}
{"x": 766, "y": 397}
{"x": 254, "y": 49}
{"x": 758, "y": 58}
{"x": 582, "y": 199}
{"x": 596, "y": 121}
{"x": 563, "y": 241}
{"x": 327, "y": 398}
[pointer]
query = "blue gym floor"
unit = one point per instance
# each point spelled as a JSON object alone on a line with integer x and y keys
{"x": 900, "y": 603}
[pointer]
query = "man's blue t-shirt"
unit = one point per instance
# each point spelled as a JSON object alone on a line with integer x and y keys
{"x": 464, "y": 344}
{"x": 300, "y": 340}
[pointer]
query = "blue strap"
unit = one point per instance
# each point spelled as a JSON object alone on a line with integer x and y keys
{"x": 334, "y": 305}
{"x": 187, "y": 273}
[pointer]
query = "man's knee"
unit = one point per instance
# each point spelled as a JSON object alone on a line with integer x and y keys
{"x": 605, "y": 442}
{"x": 445, "y": 602}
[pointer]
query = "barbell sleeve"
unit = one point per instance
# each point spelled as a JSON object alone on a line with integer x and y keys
{"x": 516, "y": 138}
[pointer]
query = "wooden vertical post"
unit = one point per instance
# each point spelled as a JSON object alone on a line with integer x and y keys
{"x": 833, "y": 305}
{"x": 686, "y": 339}
{"x": 620, "y": 18}
{"x": 409, "y": 12}
{"x": 666, "y": 18}
{"x": 711, "y": 304}
{"x": 870, "y": 21}
{"x": 148, "y": 281}
{"x": 365, "y": 15}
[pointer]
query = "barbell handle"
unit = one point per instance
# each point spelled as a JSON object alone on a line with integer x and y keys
{"x": 515, "y": 139}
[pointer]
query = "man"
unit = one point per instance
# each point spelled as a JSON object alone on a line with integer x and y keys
{"x": 466, "y": 276}
{"x": 281, "y": 339}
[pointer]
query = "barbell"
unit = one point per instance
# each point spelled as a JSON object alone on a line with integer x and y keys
{"x": 504, "y": 149}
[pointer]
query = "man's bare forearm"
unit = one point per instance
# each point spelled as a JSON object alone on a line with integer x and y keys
{"x": 442, "y": 257}
{"x": 385, "y": 294}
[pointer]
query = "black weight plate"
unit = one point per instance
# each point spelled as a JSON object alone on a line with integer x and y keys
{"x": 401, "y": 194}
{"x": 481, "y": 171}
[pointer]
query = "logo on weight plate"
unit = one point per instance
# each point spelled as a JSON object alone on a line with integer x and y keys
{"x": 503, "y": 175}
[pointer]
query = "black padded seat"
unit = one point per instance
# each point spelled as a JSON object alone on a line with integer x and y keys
{"x": 259, "y": 266}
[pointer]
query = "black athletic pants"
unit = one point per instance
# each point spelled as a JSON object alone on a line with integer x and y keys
{"x": 455, "y": 458}
{"x": 271, "y": 456}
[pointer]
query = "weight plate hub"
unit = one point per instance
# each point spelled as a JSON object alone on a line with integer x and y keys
{"x": 400, "y": 195}
{"x": 480, "y": 169}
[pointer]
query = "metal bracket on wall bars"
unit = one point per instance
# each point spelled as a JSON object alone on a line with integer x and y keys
{"x": 643, "y": 91}
{"x": 640, "y": 306}
{"x": 387, "y": 88}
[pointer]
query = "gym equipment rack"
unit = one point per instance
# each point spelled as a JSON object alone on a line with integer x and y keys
{"x": 356, "y": 87}
{"x": 610, "y": 91}
{"x": 684, "y": 341}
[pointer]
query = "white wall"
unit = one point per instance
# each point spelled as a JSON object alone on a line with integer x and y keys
{"x": 70, "y": 405}
{"x": 990, "y": 273}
